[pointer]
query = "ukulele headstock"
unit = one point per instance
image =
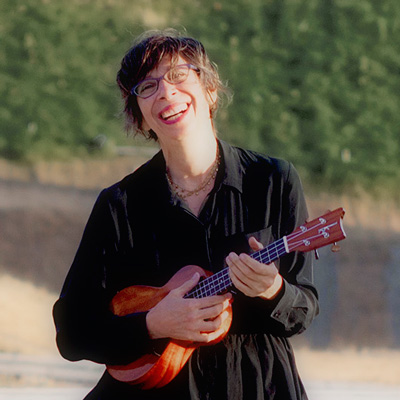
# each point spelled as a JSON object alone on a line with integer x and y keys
{"x": 319, "y": 232}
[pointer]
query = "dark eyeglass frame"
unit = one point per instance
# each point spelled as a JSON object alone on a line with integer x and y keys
{"x": 157, "y": 81}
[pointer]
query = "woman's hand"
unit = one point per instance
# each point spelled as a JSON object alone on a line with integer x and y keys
{"x": 251, "y": 277}
{"x": 197, "y": 320}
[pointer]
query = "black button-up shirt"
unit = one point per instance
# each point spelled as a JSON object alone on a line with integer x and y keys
{"x": 139, "y": 233}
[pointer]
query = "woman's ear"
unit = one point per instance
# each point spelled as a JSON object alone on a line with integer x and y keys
{"x": 212, "y": 96}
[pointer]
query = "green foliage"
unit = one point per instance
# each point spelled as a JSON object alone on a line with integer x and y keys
{"x": 314, "y": 81}
{"x": 57, "y": 66}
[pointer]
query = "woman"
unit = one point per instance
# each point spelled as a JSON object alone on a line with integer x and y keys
{"x": 202, "y": 202}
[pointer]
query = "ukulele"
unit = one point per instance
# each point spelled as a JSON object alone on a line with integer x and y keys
{"x": 153, "y": 370}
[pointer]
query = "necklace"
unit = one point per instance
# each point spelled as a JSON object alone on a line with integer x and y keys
{"x": 184, "y": 193}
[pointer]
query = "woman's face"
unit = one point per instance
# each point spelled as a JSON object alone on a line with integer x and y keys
{"x": 175, "y": 109}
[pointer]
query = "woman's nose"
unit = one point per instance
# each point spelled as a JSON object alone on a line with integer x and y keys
{"x": 166, "y": 89}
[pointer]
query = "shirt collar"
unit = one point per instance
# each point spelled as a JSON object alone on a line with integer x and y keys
{"x": 231, "y": 175}
{"x": 233, "y": 169}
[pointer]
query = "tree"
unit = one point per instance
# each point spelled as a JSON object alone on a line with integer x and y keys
{"x": 315, "y": 82}
{"x": 58, "y": 68}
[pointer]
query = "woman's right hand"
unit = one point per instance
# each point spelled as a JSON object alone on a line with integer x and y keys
{"x": 196, "y": 320}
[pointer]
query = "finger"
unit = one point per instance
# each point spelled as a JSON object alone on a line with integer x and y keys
{"x": 248, "y": 265}
{"x": 209, "y": 337}
{"x": 210, "y": 313}
{"x": 245, "y": 267}
{"x": 237, "y": 276}
{"x": 244, "y": 277}
{"x": 240, "y": 281}
{"x": 211, "y": 330}
{"x": 206, "y": 302}
{"x": 255, "y": 273}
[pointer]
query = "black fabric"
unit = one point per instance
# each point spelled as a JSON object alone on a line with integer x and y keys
{"x": 140, "y": 234}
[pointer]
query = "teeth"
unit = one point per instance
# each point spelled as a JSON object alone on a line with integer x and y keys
{"x": 174, "y": 111}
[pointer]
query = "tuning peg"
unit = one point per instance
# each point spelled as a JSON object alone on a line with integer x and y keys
{"x": 335, "y": 248}
{"x": 316, "y": 254}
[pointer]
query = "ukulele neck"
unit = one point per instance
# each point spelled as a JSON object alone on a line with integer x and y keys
{"x": 221, "y": 281}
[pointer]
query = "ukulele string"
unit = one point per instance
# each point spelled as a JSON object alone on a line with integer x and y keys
{"x": 212, "y": 285}
{"x": 221, "y": 281}
{"x": 270, "y": 253}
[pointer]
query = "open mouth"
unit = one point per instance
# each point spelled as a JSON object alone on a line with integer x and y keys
{"x": 174, "y": 112}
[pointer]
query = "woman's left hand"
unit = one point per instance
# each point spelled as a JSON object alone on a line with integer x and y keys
{"x": 251, "y": 277}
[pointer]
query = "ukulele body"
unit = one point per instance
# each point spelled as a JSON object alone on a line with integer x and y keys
{"x": 152, "y": 370}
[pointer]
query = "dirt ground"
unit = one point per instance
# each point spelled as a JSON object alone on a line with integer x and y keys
{"x": 43, "y": 211}
{"x": 26, "y": 328}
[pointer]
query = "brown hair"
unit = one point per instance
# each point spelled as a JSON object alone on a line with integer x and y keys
{"x": 145, "y": 55}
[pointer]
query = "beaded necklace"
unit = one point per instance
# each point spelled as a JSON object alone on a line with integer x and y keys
{"x": 184, "y": 193}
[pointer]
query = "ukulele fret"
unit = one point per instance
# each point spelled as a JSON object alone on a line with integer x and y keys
{"x": 271, "y": 252}
{"x": 221, "y": 281}
{"x": 211, "y": 286}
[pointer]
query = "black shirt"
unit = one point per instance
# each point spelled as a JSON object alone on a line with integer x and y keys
{"x": 139, "y": 233}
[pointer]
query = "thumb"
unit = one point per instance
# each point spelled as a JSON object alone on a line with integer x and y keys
{"x": 255, "y": 244}
{"x": 188, "y": 285}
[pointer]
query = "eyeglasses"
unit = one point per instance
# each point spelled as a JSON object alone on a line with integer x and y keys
{"x": 175, "y": 75}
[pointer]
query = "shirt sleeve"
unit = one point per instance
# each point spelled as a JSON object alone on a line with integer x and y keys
{"x": 297, "y": 304}
{"x": 86, "y": 328}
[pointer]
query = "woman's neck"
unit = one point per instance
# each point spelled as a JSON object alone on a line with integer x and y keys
{"x": 189, "y": 161}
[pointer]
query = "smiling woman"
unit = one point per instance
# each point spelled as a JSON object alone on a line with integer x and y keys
{"x": 148, "y": 51}
{"x": 195, "y": 208}
{"x": 184, "y": 105}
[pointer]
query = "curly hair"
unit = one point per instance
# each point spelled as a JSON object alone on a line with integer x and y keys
{"x": 146, "y": 54}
